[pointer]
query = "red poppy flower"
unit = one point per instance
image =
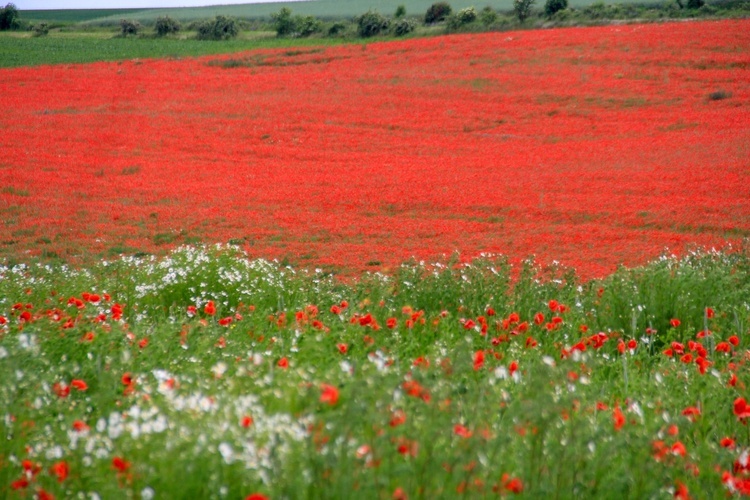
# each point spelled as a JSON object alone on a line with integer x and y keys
{"x": 462, "y": 431}
{"x": 734, "y": 340}
{"x": 478, "y": 360}
{"x": 210, "y": 308}
{"x": 342, "y": 348}
{"x": 61, "y": 389}
{"x": 283, "y": 363}
{"x": 246, "y": 421}
{"x": 78, "y": 384}
{"x": 539, "y": 318}
{"x": 60, "y": 470}
{"x": 513, "y": 367}
{"x": 618, "y": 419}
{"x": 553, "y": 305}
{"x": 256, "y": 496}
{"x": 329, "y": 394}
{"x": 727, "y": 442}
{"x": 398, "y": 417}
{"x": 741, "y": 408}
{"x": 120, "y": 464}
{"x": 674, "y": 322}
{"x": 80, "y": 426}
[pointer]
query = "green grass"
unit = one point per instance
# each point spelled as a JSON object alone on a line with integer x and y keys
{"x": 66, "y": 48}
{"x": 340, "y": 404}
{"x": 76, "y": 15}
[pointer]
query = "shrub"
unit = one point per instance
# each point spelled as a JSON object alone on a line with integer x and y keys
{"x": 522, "y": 9}
{"x": 287, "y": 25}
{"x": 166, "y": 26}
{"x": 41, "y": 29}
{"x": 403, "y": 26}
{"x": 336, "y": 29}
{"x": 400, "y": 12}
{"x": 307, "y": 25}
{"x": 283, "y": 22}
{"x": 221, "y": 28}
{"x": 695, "y": 4}
{"x": 372, "y": 23}
{"x": 553, "y": 6}
{"x": 437, "y": 12}
{"x": 129, "y": 27}
{"x": 487, "y": 16}
{"x": 9, "y": 17}
{"x": 467, "y": 15}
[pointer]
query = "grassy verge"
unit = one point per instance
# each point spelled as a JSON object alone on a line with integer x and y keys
{"x": 206, "y": 374}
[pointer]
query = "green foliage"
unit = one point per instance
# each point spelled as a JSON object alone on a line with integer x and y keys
{"x": 9, "y": 17}
{"x": 220, "y": 28}
{"x": 166, "y": 26}
{"x": 372, "y": 23}
{"x": 695, "y": 4}
{"x": 337, "y": 29}
{"x": 437, "y": 12}
{"x": 462, "y": 18}
{"x": 551, "y": 7}
{"x": 40, "y": 29}
{"x": 522, "y": 9}
{"x": 403, "y": 26}
{"x": 487, "y": 16}
{"x": 285, "y": 24}
{"x": 400, "y": 12}
{"x": 187, "y": 387}
{"x": 129, "y": 27}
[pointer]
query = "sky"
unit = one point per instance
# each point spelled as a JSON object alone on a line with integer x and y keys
{"x": 122, "y": 4}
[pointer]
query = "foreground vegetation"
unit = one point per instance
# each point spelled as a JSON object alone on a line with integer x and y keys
{"x": 208, "y": 374}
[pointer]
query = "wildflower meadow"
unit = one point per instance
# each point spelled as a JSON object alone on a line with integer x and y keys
{"x": 426, "y": 268}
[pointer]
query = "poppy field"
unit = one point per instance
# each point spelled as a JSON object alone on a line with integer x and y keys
{"x": 589, "y": 146}
{"x": 430, "y": 268}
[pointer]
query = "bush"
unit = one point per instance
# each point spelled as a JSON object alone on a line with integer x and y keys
{"x": 695, "y": 4}
{"x": 221, "y": 28}
{"x": 403, "y": 26}
{"x": 437, "y": 12}
{"x": 487, "y": 16}
{"x": 129, "y": 27}
{"x": 400, "y": 12}
{"x": 467, "y": 15}
{"x": 307, "y": 25}
{"x": 9, "y": 17}
{"x": 166, "y": 26}
{"x": 287, "y": 25}
{"x": 336, "y": 29}
{"x": 522, "y": 9}
{"x": 283, "y": 22}
{"x": 553, "y": 6}
{"x": 41, "y": 29}
{"x": 372, "y": 23}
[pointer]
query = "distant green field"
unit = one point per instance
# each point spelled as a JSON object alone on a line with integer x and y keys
{"x": 73, "y": 48}
{"x": 324, "y": 9}
{"x": 74, "y": 16}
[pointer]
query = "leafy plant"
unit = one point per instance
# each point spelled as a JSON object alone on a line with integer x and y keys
{"x": 9, "y": 17}
{"x": 403, "y": 26}
{"x": 372, "y": 23}
{"x": 129, "y": 27}
{"x": 522, "y": 9}
{"x": 551, "y": 7}
{"x": 166, "y": 26}
{"x": 437, "y": 12}
{"x": 220, "y": 28}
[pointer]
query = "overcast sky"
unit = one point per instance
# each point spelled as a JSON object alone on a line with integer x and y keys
{"x": 121, "y": 4}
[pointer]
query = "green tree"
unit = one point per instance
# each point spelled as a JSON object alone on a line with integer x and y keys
{"x": 129, "y": 27}
{"x": 8, "y": 17}
{"x": 522, "y": 9}
{"x": 166, "y": 25}
{"x": 437, "y": 12}
{"x": 372, "y": 23}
